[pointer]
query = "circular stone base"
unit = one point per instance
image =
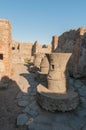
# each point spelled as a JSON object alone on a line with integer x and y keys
{"x": 54, "y": 101}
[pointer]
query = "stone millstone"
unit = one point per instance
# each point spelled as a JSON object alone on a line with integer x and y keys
{"x": 54, "y": 101}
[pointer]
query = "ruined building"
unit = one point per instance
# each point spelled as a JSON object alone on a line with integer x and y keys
{"x": 5, "y": 50}
{"x": 37, "y": 48}
{"x": 21, "y": 51}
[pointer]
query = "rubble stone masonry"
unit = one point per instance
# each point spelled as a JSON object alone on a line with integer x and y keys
{"x": 5, "y": 51}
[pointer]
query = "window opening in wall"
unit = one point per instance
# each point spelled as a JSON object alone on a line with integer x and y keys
{"x": 52, "y": 67}
{"x": 44, "y": 46}
{"x": 13, "y": 48}
{"x": 1, "y": 56}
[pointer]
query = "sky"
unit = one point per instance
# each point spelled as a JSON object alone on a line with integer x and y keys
{"x": 39, "y": 20}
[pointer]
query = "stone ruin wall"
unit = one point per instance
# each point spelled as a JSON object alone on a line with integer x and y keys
{"x": 67, "y": 40}
{"x": 37, "y": 48}
{"x": 21, "y": 51}
{"x": 5, "y": 51}
{"x": 74, "y": 41}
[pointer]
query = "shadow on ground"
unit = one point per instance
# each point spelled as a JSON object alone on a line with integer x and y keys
{"x": 8, "y": 107}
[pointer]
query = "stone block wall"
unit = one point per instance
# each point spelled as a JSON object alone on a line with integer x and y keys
{"x": 5, "y": 51}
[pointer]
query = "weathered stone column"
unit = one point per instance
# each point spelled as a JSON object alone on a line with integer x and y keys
{"x": 56, "y": 96}
{"x": 54, "y": 42}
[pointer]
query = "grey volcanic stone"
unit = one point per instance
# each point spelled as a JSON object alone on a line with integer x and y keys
{"x": 78, "y": 84}
{"x": 82, "y": 91}
{"x": 84, "y": 128}
{"x": 81, "y": 112}
{"x": 44, "y": 119}
{"x": 62, "y": 126}
{"x": 61, "y": 118}
{"x": 83, "y": 102}
{"x": 71, "y": 81}
{"x": 22, "y": 119}
{"x": 37, "y": 126}
{"x": 30, "y": 111}
{"x": 76, "y": 122}
{"x": 19, "y": 95}
{"x": 29, "y": 121}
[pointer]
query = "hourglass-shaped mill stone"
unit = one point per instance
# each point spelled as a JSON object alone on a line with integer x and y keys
{"x": 37, "y": 60}
{"x": 56, "y": 96}
{"x": 44, "y": 68}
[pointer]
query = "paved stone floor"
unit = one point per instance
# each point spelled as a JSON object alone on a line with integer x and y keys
{"x": 38, "y": 119}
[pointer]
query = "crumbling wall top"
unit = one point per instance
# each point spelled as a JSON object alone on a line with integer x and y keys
{"x": 5, "y": 22}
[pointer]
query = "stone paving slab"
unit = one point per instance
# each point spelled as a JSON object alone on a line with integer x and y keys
{"x": 84, "y": 127}
{"x": 30, "y": 111}
{"x": 22, "y": 119}
{"x": 60, "y": 126}
{"x": 23, "y": 103}
{"x": 76, "y": 122}
{"x": 37, "y": 126}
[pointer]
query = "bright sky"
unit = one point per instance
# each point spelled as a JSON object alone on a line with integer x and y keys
{"x": 33, "y": 20}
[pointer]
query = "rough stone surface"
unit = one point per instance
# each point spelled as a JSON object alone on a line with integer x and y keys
{"x": 61, "y": 127}
{"x": 84, "y": 128}
{"x": 76, "y": 68}
{"x": 37, "y": 126}
{"x": 5, "y": 51}
{"x": 44, "y": 66}
{"x": 55, "y": 101}
{"x": 58, "y": 76}
{"x": 22, "y": 103}
{"x": 37, "y": 59}
{"x": 66, "y": 41}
